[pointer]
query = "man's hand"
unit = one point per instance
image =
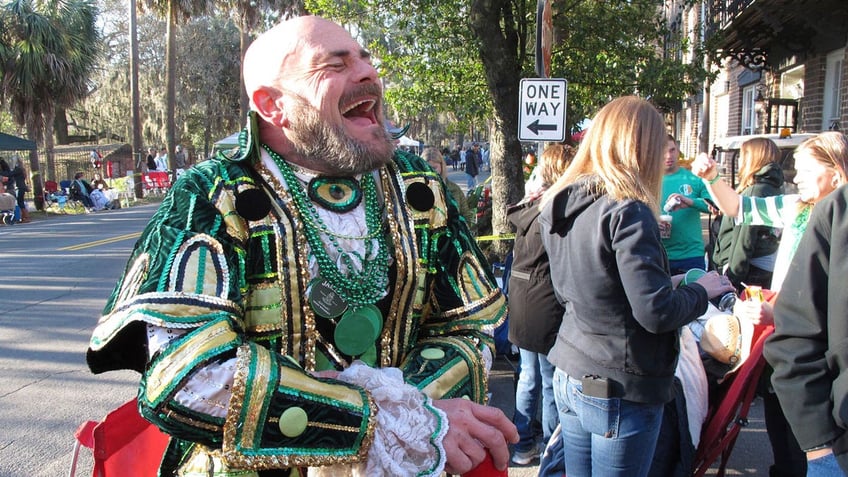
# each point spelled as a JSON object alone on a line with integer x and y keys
{"x": 677, "y": 201}
{"x": 473, "y": 430}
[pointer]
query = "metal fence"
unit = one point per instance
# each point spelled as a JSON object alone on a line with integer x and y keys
{"x": 117, "y": 161}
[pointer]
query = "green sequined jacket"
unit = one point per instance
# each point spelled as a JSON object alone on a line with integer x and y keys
{"x": 237, "y": 287}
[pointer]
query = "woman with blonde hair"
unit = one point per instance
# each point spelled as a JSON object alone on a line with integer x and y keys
{"x": 617, "y": 347}
{"x": 820, "y": 163}
{"x": 746, "y": 253}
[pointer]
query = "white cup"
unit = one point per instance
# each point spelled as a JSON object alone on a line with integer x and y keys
{"x": 665, "y": 226}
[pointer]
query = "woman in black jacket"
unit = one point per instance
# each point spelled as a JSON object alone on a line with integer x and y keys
{"x": 617, "y": 347}
{"x": 746, "y": 253}
{"x": 534, "y": 312}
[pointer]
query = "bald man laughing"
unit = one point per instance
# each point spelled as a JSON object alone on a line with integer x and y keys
{"x": 313, "y": 303}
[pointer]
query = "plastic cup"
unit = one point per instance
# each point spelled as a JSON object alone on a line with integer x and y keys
{"x": 665, "y": 226}
{"x": 754, "y": 293}
{"x": 692, "y": 275}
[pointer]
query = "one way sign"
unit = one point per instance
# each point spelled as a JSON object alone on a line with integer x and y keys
{"x": 541, "y": 116}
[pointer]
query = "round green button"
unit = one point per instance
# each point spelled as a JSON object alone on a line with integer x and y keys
{"x": 432, "y": 353}
{"x": 293, "y": 421}
{"x": 369, "y": 357}
{"x": 357, "y": 330}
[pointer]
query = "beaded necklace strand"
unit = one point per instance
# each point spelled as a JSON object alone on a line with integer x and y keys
{"x": 358, "y": 288}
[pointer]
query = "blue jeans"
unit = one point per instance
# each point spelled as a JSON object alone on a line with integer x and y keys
{"x": 471, "y": 182}
{"x": 825, "y": 466}
{"x": 535, "y": 375}
{"x": 605, "y": 437}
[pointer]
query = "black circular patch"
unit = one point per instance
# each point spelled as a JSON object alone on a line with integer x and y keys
{"x": 324, "y": 300}
{"x": 252, "y": 204}
{"x": 420, "y": 197}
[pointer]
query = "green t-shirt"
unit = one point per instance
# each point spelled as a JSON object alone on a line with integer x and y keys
{"x": 686, "y": 233}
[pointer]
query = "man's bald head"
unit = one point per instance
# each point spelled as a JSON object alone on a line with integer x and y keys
{"x": 266, "y": 58}
{"x": 317, "y": 97}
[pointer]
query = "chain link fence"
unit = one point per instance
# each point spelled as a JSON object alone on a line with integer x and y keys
{"x": 115, "y": 161}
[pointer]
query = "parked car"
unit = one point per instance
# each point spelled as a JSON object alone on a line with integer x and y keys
{"x": 727, "y": 155}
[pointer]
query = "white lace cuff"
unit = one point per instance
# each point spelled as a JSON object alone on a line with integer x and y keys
{"x": 409, "y": 432}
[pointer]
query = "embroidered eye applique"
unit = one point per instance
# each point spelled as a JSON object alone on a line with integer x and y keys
{"x": 337, "y": 194}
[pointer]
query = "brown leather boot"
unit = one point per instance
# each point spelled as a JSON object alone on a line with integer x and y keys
{"x": 24, "y": 216}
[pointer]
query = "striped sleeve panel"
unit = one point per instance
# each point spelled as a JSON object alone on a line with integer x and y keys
{"x": 764, "y": 210}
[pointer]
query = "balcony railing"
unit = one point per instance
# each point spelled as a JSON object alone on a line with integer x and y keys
{"x": 724, "y": 11}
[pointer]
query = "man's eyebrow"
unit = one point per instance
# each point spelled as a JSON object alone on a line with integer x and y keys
{"x": 363, "y": 53}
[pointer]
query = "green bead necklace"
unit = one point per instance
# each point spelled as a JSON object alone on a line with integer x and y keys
{"x": 358, "y": 288}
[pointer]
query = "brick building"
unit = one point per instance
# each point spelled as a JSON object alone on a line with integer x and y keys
{"x": 784, "y": 66}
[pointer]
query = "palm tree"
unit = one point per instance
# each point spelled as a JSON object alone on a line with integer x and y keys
{"x": 250, "y": 15}
{"x": 47, "y": 51}
{"x": 174, "y": 11}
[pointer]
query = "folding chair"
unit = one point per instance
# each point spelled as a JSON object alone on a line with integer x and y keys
{"x": 730, "y": 414}
{"x": 66, "y": 186}
{"x": 53, "y": 196}
{"x": 123, "y": 444}
{"x": 67, "y": 203}
{"x": 147, "y": 183}
{"x": 161, "y": 180}
{"x": 123, "y": 190}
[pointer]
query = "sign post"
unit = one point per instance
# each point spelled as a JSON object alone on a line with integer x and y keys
{"x": 544, "y": 38}
{"x": 541, "y": 115}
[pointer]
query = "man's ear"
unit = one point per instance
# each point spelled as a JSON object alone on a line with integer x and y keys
{"x": 269, "y": 106}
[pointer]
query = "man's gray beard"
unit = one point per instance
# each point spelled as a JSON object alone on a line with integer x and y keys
{"x": 321, "y": 143}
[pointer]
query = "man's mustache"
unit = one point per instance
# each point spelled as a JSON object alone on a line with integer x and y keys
{"x": 370, "y": 89}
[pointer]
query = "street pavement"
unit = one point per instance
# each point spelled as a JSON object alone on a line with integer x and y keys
{"x": 57, "y": 273}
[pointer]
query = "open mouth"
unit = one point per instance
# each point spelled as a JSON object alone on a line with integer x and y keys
{"x": 361, "y": 113}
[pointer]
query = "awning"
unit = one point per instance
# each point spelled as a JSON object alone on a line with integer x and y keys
{"x": 229, "y": 141}
{"x": 14, "y": 143}
{"x": 407, "y": 141}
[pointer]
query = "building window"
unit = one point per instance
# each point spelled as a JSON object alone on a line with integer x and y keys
{"x": 832, "y": 90}
{"x": 749, "y": 114}
{"x": 792, "y": 83}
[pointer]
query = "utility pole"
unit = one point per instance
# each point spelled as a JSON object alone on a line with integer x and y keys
{"x": 137, "y": 146}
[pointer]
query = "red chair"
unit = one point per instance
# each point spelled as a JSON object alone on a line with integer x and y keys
{"x": 730, "y": 414}
{"x": 123, "y": 444}
{"x": 147, "y": 182}
{"x": 161, "y": 179}
{"x": 51, "y": 193}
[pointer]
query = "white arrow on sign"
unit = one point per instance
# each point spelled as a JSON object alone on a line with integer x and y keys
{"x": 541, "y": 115}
